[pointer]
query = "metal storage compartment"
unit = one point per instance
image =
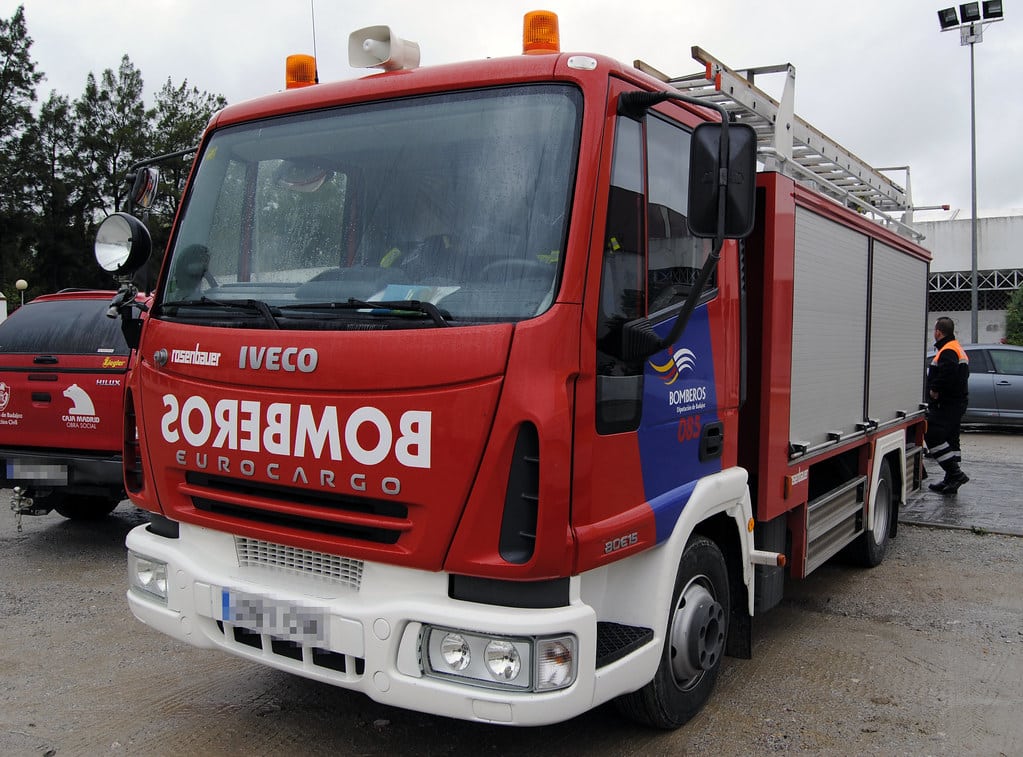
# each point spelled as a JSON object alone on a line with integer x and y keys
{"x": 858, "y": 327}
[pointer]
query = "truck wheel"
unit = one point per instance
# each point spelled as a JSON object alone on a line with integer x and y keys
{"x": 694, "y": 643}
{"x": 86, "y": 508}
{"x": 871, "y": 547}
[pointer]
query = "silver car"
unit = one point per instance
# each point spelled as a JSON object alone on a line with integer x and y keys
{"x": 996, "y": 384}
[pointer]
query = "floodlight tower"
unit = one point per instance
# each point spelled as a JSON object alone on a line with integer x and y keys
{"x": 970, "y": 22}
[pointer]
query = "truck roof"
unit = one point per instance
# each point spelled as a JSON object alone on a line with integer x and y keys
{"x": 450, "y": 76}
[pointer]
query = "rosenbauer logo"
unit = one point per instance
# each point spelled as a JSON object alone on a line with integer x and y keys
{"x": 367, "y": 436}
{"x": 195, "y": 357}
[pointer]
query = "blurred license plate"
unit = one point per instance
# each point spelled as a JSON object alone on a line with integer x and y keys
{"x": 19, "y": 470}
{"x": 277, "y": 618}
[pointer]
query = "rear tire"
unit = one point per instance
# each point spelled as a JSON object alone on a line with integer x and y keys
{"x": 85, "y": 508}
{"x": 694, "y": 642}
{"x": 872, "y": 546}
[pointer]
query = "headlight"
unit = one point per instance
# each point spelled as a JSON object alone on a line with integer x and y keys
{"x": 503, "y": 660}
{"x": 147, "y": 576}
{"x": 455, "y": 651}
{"x": 521, "y": 663}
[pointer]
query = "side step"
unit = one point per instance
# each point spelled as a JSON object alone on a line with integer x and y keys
{"x": 833, "y": 520}
{"x": 914, "y": 467}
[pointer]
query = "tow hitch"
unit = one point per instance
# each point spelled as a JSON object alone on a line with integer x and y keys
{"x": 22, "y": 504}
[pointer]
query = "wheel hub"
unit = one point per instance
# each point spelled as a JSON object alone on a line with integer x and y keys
{"x": 697, "y": 634}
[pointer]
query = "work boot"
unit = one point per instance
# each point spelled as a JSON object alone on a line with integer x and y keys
{"x": 952, "y": 486}
{"x": 938, "y": 487}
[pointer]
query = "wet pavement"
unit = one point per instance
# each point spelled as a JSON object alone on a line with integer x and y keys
{"x": 991, "y": 502}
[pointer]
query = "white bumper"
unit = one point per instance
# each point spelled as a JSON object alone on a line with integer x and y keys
{"x": 372, "y": 639}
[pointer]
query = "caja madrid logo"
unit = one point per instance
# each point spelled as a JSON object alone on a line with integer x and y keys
{"x": 81, "y": 402}
{"x": 681, "y": 360}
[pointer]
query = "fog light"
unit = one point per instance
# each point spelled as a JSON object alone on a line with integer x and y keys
{"x": 455, "y": 651}
{"x": 555, "y": 663}
{"x": 148, "y": 576}
{"x": 503, "y": 660}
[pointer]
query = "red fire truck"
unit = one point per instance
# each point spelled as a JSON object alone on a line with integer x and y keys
{"x": 503, "y": 389}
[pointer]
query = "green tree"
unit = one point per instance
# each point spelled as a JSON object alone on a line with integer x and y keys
{"x": 18, "y": 80}
{"x": 113, "y": 132}
{"x": 63, "y": 229}
{"x": 180, "y": 116}
{"x": 66, "y": 168}
{"x": 1014, "y": 318}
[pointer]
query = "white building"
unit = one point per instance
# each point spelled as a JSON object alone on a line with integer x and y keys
{"x": 999, "y": 267}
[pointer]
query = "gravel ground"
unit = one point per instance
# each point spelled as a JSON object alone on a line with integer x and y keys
{"x": 922, "y": 655}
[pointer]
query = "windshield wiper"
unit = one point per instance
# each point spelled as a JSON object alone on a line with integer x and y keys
{"x": 251, "y": 305}
{"x": 438, "y": 316}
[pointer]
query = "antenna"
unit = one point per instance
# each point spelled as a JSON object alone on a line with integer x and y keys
{"x": 312, "y": 17}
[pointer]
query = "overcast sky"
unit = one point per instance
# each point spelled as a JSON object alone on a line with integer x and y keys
{"x": 875, "y": 75}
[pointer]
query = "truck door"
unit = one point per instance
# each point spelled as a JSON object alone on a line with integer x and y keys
{"x": 655, "y": 425}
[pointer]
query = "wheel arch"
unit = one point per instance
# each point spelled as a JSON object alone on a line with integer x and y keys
{"x": 721, "y": 529}
{"x": 891, "y": 450}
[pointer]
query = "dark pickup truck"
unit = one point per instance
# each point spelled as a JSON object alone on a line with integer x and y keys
{"x": 62, "y": 379}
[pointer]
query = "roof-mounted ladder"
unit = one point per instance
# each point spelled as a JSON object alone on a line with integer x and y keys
{"x": 788, "y": 144}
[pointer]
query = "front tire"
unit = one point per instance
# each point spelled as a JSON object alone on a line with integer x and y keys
{"x": 694, "y": 642}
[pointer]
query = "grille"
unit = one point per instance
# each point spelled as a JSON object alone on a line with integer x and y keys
{"x": 344, "y": 570}
{"x": 328, "y": 514}
{"x": 346, "y": 668}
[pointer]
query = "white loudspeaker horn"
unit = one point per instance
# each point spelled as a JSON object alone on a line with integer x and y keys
{"x": 377, "y": 47}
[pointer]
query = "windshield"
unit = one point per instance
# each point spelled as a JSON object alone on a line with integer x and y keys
{"x": 457, "y": 200}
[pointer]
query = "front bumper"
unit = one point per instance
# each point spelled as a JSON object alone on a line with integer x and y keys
{"x": 373, "y": 623}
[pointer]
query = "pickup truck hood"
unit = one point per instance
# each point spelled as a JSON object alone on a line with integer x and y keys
{"x": 361, "y": 443}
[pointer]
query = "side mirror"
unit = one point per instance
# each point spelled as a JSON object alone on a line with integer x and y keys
{"x": 123, "y": 244}
{"x": 143, "y": 188}
{"x": 704, "y": 172}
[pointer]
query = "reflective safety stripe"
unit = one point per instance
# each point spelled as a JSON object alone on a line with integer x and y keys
{"x": 958, "y": 348}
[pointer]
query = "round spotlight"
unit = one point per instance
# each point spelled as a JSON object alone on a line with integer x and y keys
{"x": 503, "y": 660}
{"x": 455, "y": 651}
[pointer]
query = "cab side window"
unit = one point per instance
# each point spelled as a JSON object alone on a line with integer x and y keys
{"x": 674, "y": 257}
{"x": 650, "y": 260}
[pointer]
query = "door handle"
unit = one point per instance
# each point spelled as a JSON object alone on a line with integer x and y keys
{"x": 712, "y": 441}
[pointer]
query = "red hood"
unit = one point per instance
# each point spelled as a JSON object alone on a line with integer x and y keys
{"x": 365, "y": 443}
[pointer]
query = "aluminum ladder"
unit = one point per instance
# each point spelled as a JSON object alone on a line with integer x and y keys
{"x": 788, "y": 144}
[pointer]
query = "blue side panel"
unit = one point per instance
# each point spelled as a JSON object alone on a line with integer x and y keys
{"x": 679, "y": 400}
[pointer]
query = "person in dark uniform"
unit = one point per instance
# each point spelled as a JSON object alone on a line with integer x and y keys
{"x": 948, "y": 378}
